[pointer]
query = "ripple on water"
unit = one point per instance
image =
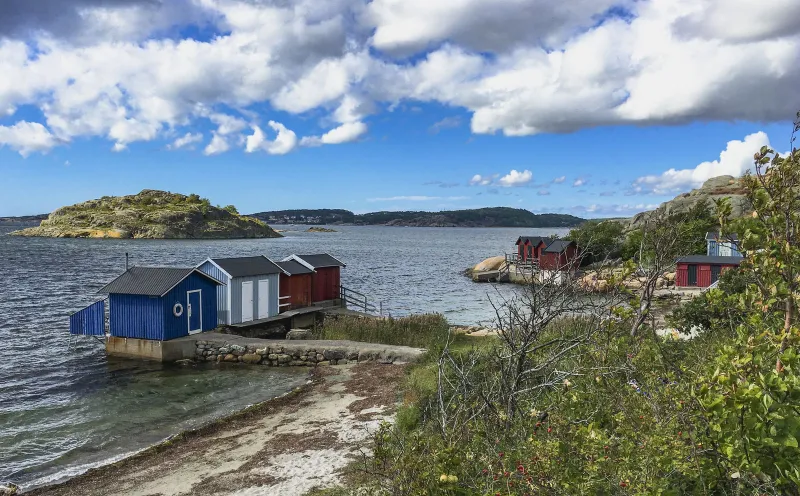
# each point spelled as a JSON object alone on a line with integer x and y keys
{"x": 65, "y": 408}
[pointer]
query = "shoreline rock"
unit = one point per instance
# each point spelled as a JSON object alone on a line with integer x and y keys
{"x": 149, "y": 214}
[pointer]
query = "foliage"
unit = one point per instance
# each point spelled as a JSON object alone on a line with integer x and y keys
{"x": 485, "y": 217}
{"x": 481, "y": 217}
{"x": 420, "y": 331}
{"x": 326, "y": 215}
{"x": 601, "y": 240}
{"x": 232, "y": 209}
{"x": 715, "y": 307}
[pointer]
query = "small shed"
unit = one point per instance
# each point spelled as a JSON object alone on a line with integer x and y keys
{"x": 560, "y": 254}
{"x": 530, "y": 248}
{"x": 326, "y": 279}
{"x": 161, "y": 303}
{"x": 702, "y": 270}
{"x": 295, "y": 285}
{"x": 252, "y": 286}
{"x": 722, "y": 246}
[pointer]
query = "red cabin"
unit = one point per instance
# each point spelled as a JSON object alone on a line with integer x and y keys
{"x": 326, "y": 276}
{"x": 702, "y": 271}
{"x": 295, "y": 285}
{"x": 560, "y": 255}
{"x": 529, "y": 248}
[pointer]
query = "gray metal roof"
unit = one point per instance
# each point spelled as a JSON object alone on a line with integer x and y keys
{"x": 293, "y": 268}
{"x": 705, "y": 259}
{"x": 558, "y": 246}
{"x": 321, "y": 260}
{"x": 150, "y": 281}
{"x": 534, "y": 240}
{"x": 727, "y": 237}
{"x": 247, "y": 266}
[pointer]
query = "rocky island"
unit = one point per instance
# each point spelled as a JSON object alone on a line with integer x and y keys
{"x": 320, "y": 230}
{"x": 151, "y": 214}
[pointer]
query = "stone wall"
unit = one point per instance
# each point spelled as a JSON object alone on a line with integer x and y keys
{"x": 285, "y": 355}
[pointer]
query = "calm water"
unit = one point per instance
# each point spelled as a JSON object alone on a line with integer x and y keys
{"x": 66, "y": 407}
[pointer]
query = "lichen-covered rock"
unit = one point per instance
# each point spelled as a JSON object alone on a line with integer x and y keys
{"x": 713, "y": 189}
{"x": 251, "y": 358}
{"x": 149, "y": 214}
{"x": 299, "y": 334}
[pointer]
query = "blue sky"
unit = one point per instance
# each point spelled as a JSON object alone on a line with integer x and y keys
{"x": 367, "y": 107}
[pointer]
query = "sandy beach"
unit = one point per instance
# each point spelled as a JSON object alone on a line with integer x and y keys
{"x": 286, "y": 446}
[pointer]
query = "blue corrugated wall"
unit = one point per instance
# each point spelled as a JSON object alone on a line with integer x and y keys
{"x": 222, "y": 291}
{"x": 91, "y": 321}
{"x": 175, "y": 327}
{"x": 135, "y": 316}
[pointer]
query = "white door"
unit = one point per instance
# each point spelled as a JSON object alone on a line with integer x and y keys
{"x": 263, "y": 298}
{"x": 247, "y": 301}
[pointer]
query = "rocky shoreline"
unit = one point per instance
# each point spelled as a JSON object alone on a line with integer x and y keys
{"x": 292, "y": 444}
{"x": 302, "y": 354}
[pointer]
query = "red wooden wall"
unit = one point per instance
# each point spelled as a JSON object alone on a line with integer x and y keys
{"x": 703, "y": 274}
{"x": 325, "y": 284}
{"x": 298, "y": 288}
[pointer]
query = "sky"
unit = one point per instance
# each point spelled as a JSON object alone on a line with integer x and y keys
{"x": 596, "y": 108}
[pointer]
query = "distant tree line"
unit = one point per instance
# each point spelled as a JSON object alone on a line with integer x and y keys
{"x": 481, "y": 217}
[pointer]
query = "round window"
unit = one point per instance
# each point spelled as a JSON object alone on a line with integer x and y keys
{"x": 177, "y": 310}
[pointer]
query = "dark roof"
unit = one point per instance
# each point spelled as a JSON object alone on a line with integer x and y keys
{"x": 321, "y": 260}
{"x": 247, "y": 266}
{"x": 534, "y": 240}
{"x": 703, "y": 259}
{"x": 293, "y": 268}
{"x": 558, "y": 245}
{"x": 727, "y": 237}
{"x": 150, "y": 281}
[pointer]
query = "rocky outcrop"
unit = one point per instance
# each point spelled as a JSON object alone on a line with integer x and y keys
{"x": 713, "y": 189}
{"x": 150, "y": 214}
{"x": 320, "y": 230}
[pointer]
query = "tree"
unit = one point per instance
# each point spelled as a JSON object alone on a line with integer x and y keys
{"x": 770, "y": 238}
{"x": 231, "y": 209}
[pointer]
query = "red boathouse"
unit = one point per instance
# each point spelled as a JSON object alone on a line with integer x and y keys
{"x": 295, "y": 285}
{"x": 530, "y": 248}
{"x": 702, "y": 271}
{"x": 561, "y": 254}
{"x": 326, "y": 276}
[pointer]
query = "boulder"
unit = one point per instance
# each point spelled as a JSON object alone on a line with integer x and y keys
{"x": 251, "y": 358}
{"x": 230, "y": 358}
{"x": 492, "y": 263}
{"x": 299, "y": 334}
{"x": 8, "y": 489}
{"x": 669, "y": 277}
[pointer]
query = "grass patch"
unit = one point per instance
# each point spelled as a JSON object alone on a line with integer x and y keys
{"x": 420, "y": 331}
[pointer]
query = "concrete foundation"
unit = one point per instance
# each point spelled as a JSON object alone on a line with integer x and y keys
{"x": 146, "y": 349}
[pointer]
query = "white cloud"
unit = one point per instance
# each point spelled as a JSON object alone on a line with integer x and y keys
{"x": 579, "y": 182}
{"x": 559, "y": 179}
{"x": 345, "y": 133}
{"x": 733, "y": 161}
{"x": 596, "y": 210}
{"x": 479, "y": 180}
{"x": 520, "y": 67}
{"x": 187, "y": 140}
{"x": 516, "y": 178}
{"x": 285, "y": 141}
{"x": 217, "y": 145}
{"x": 27, "y": 138}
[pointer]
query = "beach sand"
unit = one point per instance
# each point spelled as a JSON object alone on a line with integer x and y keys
{"x": 287, "y": 446}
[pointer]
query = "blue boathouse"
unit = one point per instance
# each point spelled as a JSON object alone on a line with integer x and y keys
{"x": 153, "y": 303}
